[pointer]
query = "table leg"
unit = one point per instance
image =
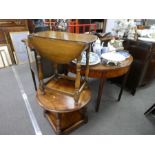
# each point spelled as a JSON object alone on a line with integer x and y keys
{"x": 150, "y": 110}
{"x": 100, "y": 91}
{"x": 122, "y": 86}
{"x": 34, "y": 80}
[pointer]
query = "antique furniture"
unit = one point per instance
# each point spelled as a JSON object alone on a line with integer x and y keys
{"x": 5, "y": 59}
{"x": 87, "y": 25}
{"x": 46, "y": 64}
{"x": 151, "y": 110}
{"x": 143, "y": 67}
{"x": 81, "y": 28}
{"x": 105, "y": 72}
{"x": 64, "y": 98}
{"x": 100, "y": 23}
{"x": 11, "y": 25}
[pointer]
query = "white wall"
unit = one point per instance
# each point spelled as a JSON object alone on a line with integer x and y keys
{"x": 110, "y": 25}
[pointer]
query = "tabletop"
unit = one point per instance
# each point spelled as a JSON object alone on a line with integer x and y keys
{"x": 86, "y": 38}
{"x": 106, "y": 71}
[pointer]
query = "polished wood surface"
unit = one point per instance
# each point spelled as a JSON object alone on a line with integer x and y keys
{"x": 61, "y": 48}
{"x": 52, "y": 45}
{"x": 62, "y": 96}
{"x": 54, "y": 49}
{"x": 105, "y": 71}
{"x": 59, "y": 102}
{"x": 61, "y": 110}
{"x": 64, "y": 123}
{"x": 65, "y": 36}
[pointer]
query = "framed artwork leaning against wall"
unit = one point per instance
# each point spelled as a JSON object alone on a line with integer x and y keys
{"x": 5, "y": 59}
{"x": 20, "y": 52}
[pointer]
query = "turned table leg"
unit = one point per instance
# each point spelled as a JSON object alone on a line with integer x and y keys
{"x": 58, "y": 121}
{"x": 100, "y": 91}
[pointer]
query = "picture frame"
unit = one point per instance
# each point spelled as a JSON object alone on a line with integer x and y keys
{"x": 20, "y": 51}
{"x": 5, "y": 58}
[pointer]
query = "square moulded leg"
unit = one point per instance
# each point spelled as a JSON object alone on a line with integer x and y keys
{"x": 63, "y": 123}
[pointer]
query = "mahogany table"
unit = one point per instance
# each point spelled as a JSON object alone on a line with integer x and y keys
{"x": 104, "y": 72}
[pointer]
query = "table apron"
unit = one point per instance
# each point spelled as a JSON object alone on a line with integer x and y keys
{"x": 103, "y": 73}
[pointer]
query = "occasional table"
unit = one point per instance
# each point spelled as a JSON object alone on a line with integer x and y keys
{"x": 104, "y": 72}
{"x": 63, "y": 98}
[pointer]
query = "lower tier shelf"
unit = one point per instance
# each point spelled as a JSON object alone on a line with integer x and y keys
{"x": 63, "y": 123}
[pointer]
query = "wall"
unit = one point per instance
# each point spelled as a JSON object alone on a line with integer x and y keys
{"x": 110, "y": 25}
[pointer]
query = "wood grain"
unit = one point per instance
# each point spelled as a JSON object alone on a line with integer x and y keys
{"x": 59, "y": 102}
{"x": 65, "y": 36}
{"x": 63, "y": 98}
{"x": 60, "y": 47}
{"x": 67, "y": 122}
{"x": 104, "y": 71}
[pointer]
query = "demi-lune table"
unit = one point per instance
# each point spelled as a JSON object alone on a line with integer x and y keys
{"x": 104, "y": 72}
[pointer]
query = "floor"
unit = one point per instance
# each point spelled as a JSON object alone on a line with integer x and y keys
{"x": 114, "y": 118}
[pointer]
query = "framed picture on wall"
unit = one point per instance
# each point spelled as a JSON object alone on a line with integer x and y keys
{"x": 20, "y": 52}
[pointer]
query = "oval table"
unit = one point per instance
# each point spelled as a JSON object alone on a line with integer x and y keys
{"x": 103, "y": 72}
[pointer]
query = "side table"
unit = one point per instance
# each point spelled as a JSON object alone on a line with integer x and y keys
{"x": 104, "y": 72}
